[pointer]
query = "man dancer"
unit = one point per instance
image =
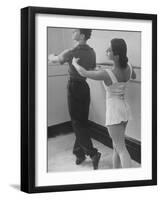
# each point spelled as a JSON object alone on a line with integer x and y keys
{"x": 79, "y": 94}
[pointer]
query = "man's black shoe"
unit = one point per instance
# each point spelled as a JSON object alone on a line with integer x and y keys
{"x": 79, "y": 160}
{"x": 95, "y": 160}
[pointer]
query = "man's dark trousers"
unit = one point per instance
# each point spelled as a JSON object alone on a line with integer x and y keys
{"x": 78, "y": 104}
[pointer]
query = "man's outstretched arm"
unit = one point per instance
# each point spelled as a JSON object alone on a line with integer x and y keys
{"x": 61, "y": 58}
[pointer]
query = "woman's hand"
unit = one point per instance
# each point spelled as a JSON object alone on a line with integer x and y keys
{"x": 80, "y": 69}
{"x": 133, "y": 75}
{"x": 75, "y": 61}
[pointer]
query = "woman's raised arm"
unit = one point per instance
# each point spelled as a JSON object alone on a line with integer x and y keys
{"x": 95, "y": 75}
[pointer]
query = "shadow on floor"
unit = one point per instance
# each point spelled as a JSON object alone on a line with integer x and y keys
{"x": 15, "y": 186}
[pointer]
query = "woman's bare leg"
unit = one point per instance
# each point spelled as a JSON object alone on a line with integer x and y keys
{"x": 116, "y": 158}
{"x": 117, "y": 133}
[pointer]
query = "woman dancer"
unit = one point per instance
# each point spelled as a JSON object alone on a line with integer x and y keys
{"x": 117, "y": 109}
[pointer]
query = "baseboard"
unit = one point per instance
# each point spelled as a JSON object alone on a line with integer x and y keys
{"x": 99, "y": 133}
{"x": 59, "y": 129}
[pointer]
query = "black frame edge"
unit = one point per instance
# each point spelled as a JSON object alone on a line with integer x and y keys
{"x": 24, "y": 100}
{"x": 28, "y": 98}
{"x": 92, "y": 13}
{"x": 93, "y": 186}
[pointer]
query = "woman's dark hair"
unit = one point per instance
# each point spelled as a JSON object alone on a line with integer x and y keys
{"x": 119, "y": 47}
{"x": 86, "y": 32}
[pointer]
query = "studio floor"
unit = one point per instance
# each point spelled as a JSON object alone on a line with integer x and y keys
{"x": 61, "y": 158}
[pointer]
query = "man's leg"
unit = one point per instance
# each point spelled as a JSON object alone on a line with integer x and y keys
{"x": 83, "y": 140}
{"x": 79, "y": 152}
{"x": 79, "y": 109}
{"x": 77, "y": 149}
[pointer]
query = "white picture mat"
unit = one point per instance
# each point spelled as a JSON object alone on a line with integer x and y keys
{"x": 110, "y": 175}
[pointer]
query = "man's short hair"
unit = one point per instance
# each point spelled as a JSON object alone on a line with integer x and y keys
{"x": 86, "y": 32}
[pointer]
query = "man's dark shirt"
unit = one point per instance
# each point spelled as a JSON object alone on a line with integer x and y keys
{"x": 87, "y": 59}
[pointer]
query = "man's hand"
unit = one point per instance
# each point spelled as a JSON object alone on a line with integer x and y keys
{"x": 51, "y": 58}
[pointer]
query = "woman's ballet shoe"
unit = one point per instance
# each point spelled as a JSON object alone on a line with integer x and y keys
{"x": 95, "y": 160}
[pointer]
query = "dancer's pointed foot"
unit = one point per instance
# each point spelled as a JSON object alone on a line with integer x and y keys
{"x": 79, "y": 160}
{"x": 95, "y": 160}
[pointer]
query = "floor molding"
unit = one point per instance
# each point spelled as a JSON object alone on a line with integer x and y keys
{"x": 59, "y": 129}
{"x": 99, "y": 133}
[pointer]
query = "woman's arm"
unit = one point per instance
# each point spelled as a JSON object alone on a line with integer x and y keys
{"x": 95, "y": 75}
{"x": 133, "y": 74}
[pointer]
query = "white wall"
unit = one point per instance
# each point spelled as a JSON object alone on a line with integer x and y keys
{"x": 101, "y": 39}
{"x": 57, "y": 100}
{"x": 59, "y": 39}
